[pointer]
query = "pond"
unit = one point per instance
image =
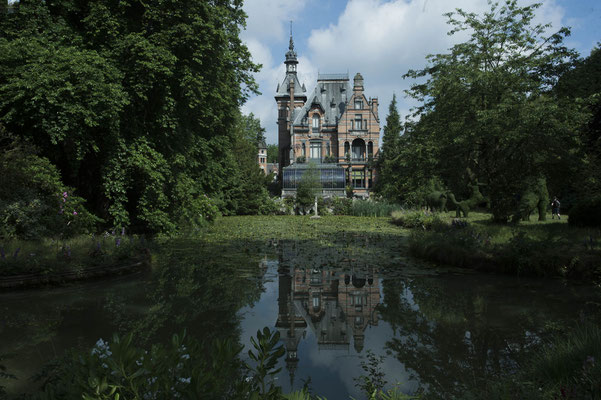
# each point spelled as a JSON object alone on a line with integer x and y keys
{"x": 436, "y": 329}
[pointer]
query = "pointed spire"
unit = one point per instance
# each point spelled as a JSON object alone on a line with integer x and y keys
{"x": 291, "y": 46}
{"x": 291, "y": 54}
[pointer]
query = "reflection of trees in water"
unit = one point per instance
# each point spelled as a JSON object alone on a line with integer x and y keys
{"x": 455, "y": 335}
{"x": 200, "y": 290}
{"x": 196, "y": 289}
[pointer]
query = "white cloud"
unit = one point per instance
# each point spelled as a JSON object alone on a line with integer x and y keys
{"x": 268, "y": 19}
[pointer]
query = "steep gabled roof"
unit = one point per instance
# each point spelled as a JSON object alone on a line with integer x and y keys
{"x": 283, "y": 89}
{"x": 331, "y": 94}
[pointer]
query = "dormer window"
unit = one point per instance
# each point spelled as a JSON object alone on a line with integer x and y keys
{"x": 358, "y": 104}
{"x": 315, "y": 124}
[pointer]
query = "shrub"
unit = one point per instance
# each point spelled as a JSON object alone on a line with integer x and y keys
{"x": 418, "y": 219}
{"x": 586, "y": 212}
{"x": 341, "y": 206}
{"x": 34, "y": 202}
{"x": 182, "y": 368}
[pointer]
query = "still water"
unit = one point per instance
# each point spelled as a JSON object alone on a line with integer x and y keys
{"x": 438, "y": 330}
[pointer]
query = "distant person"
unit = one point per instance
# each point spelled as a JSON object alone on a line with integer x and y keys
{"x": 555, "y": 208}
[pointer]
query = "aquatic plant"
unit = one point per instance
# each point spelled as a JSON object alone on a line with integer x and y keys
{"x": 370, "y": 208}
{"x": 266, "y": 356}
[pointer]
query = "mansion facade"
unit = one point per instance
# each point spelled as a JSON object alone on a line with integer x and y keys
{"x": 336, "y": 128}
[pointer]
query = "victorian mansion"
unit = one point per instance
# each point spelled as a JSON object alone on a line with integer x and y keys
{"x": 336, "y": 128}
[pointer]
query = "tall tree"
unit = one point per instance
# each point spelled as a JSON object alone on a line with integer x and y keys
{"x": 582, "y": 85}
{"x": 272, "y": 153}
{"x": 387, "y": 184}
{"x": 487, "y": 113}
{"x": 133, "y": 101}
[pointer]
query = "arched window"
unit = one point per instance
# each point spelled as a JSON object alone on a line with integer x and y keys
{"x": 304, "y": 150}
{"x": 358, "y": 149}
{"x": 347, "y": 149}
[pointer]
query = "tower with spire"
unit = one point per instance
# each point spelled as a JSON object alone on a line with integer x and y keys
{"x": 290, "y": 96}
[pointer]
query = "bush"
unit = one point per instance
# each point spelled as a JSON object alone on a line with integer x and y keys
{"x": 341, "y": 206}
{"x": 34, "y": 202}
{"x": 418, "y": 219}
{"x": 586, "y": 212}
{"x": 181, "y": 368}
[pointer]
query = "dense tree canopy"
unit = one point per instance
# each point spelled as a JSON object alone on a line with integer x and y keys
{"x": 136, "y": 103}
{"x": 272, "y": 153}
{"x": 488, "y": 112}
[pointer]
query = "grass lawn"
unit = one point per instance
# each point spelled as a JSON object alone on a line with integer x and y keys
{"x": 297, "y": 227}
{"x": 550, "y": 247}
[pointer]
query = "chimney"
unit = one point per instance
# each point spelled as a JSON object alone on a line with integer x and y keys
{"x": 374, "y": 107}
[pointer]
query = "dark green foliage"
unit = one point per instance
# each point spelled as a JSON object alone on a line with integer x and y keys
{"x": 535, "y": 197}
{"x": 342, "y": 206}
{"x": 183, "y": 367}
{"x": 272, "y": 153}
{"x": 247, "y": 192}
{"x": 373, "y": 381}
{"x": 417, "y": 219}
{"x": 565, "y": 367}
{"x": 370, "y": 208}
{"x": 436, "y": 201}
{"x": 265, "y": 356}
{"x": 582, "y": 86}
{"x": 388, "y": 185}
{"x": 486, "y": 110}
{"x": 136, "y": 104}
{"x": 33, "y": 200}
{"x": 349, "y": 192}
{"x": 464, "y": 206}
{"x": 330, "y": 159}
{"x": 586, "y": 212}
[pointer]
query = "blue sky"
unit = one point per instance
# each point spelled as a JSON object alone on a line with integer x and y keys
{"x": 381, "y": 39}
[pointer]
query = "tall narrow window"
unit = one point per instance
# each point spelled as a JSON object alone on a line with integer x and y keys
{"x": 315, "y": 121}
{"x": 358, "y": 122}
{"x": 316, "y": 151}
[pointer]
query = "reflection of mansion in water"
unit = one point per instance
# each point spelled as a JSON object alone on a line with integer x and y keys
{"x": 334, "y": 305}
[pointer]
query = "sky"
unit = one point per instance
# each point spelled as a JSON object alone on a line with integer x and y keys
{"x": 380, "y": 39}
